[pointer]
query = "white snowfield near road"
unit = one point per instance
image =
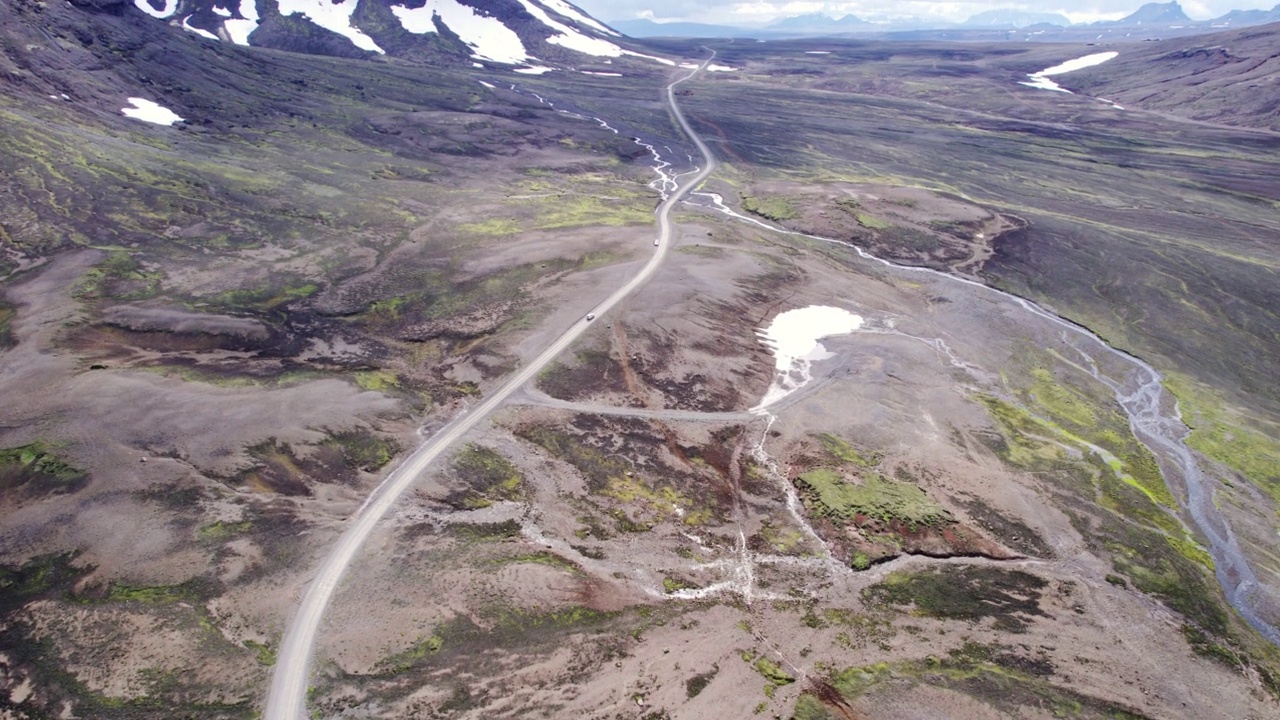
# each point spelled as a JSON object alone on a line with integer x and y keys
{"x": 793, "y": 337}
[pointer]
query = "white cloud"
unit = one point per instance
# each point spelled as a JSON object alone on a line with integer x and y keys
{"x": 758, "y": 12}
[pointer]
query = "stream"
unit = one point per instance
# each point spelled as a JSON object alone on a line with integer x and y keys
{"x": 1154, "y": 418}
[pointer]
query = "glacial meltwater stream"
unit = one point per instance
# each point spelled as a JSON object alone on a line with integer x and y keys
{"x": 1153, "y": 416}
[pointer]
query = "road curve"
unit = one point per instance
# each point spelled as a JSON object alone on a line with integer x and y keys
{"x": 286, "y": 697}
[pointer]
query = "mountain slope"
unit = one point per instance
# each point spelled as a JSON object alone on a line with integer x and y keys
{"x": 1229, "y": 77}
{"x": 1153, "y": 14}
{"x": 508, "y": 32}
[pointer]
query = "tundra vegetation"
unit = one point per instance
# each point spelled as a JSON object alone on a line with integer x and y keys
{"x": 216, "y": 339}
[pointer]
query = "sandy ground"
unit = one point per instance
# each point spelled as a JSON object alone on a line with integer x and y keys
{"x": 902, "y": 387}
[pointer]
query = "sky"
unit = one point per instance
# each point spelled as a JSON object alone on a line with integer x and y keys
{"x": 760, "y": 12}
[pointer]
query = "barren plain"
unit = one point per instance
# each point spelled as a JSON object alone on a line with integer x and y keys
{"x": 216, "y": 341}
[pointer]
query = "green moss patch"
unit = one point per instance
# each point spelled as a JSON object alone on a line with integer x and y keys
{"x": 1010, "y": 597}
{"x": 37, "y": 470}
{"x": 871, "y": 222}
{"x": 484, "y": 532}
{"x": 1007, "y": 681}
{"x": 339, "y": 458}
{"x": 488, "y": 477}
{"x": 875, "y": 497}
{"x": 409, "y": 657}
{"x": 597, "y": 467}
{"x": 6, "y": 326}
{"x": 842, "y": 451}
{"x": 776, "y": 208}
{"x": 696, "y": 684}
{"x": 1226, "y": 436}
{"x": 771, "y": 670}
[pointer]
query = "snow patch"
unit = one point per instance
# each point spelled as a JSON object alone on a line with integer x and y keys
{"x": 570, "y": 38}
{"x": 654, "y": 58}
{"x": 239, "y": 29}
{"x": 151, "y": 112}
{"x": 488, "y": 85}
{"x": 222, "y": 12}
{"x": 333, "y": 15}
{"x": 534, "y": 70}
{"x": 1044, "y": 83}
{"x": 169, "y": 7}
{"x": 793, "y": 337}
{"x": 1041, "y": 79}
{"x": 817, "y": 52}
{"x": 601, "y": 74}
{"x": 186, "y": 25}
{"x": 573, "y": 13}
{"x": 567, "y": 37}
{"x": 487, "y": 37}
{"x": 1078, "y": 64}
{"x": 721, "y": 68}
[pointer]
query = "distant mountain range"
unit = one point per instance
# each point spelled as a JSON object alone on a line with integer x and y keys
{"x": 1015, "y": 19}
{"x": 1167, "y": 18}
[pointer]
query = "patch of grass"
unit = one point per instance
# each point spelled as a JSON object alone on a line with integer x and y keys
{"x": 1011, "y": 597}
{"x": 663, "y": 501}
{"x": 407, "y": 658}
{"x": 151, "y": 594}
{"x": 1227, "y": 436}
{"x": 1060, "y": 400}
{"x": 266, "y": 654}
{"x": 1009, "y": 530}
{"x": 1157, "y": 568}
{"x": 578, "y": 210}
{"x": 6, "y": 331}
{"x": 876, "y": 497}
{"x": 673, "y": 584}
{"x": 120, "y": 277}
{"x": 781, "y": 540}
{"x": 383, "y": 381}
{"x": 38, "y": 470}
{"x": 844, "y": 452}
{"x": 597, "y": 467}
{"x": 491, "y": 227}
{"x": 41, "y": 576}
{"x": 220, "y": 531}
{"x": 871, "y": 222}
{"x": 1007, "y": 681}
{"x": 540, "y": 558}
{"x": 488, "y": 473}
{"x": 776, "y": 208}
{"x": 771, "y": 670}
{"x": 1125, "y": 457}
{"x": 362, "y": 449}
{"x": 696, "y": 684}
{"x": 521, "y": 620}
{"x": 910, "y": 238}
{"x": 484, "y": 532}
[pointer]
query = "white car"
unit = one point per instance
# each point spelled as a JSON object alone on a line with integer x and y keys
{"x": 591, "y": 316}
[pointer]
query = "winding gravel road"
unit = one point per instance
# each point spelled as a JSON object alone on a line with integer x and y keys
{"x": 286, "y": 698}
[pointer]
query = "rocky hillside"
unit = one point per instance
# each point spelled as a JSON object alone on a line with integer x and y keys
{"x": 1229, "y": 77}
